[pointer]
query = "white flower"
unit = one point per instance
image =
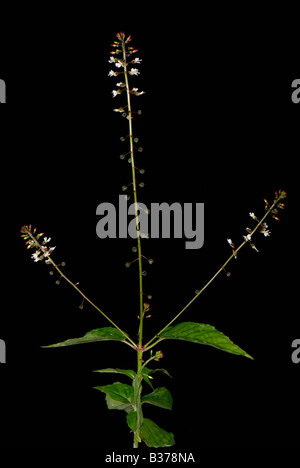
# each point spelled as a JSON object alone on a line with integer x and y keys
{"x": 120, "y": 84}
{"x": 137, "y": 92}
{"x": 116, "y": 92}
{"x": 229, "y": 241}
{"x": 118, "y": 64}
{"x": 46, "y": 239}
{"x": 35, "y": 256}
{"x": 112, "y": 73}
{"x": 136, "y": 60}
{"x": 266, "y": 232}
{"x": 119, "y": 110}
{"x": 253, "y": 216}
{"x": 134, "y": 71}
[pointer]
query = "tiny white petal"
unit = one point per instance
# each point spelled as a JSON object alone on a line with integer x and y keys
{"x": 134, "y": 71}
{"x": 116, "y": 92}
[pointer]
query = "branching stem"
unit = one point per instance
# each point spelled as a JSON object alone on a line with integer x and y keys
{"x": 131, "y": 343}
{"x": 146, "y": 346}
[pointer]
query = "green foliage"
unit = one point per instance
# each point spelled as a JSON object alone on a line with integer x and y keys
{"x": 155, "y": 436}
{"x": 121, "y": 396}
{"x": 151, "y": 433}
{"x": 99, "y": 334}
{"x": 118, "y": 396}
{"x": 129, "y": 372}
{"x": 118, "y": 391}
{"x": 203, "y": 334}
{"x": 159, "y": 397}
{"x": 147, "y": 374}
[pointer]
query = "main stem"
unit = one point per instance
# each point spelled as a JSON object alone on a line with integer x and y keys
{"x": 141, "y": 299}
{"x": 140, "y": 333}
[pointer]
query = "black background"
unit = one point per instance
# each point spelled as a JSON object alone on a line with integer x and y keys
{"x": 218, "y": 126}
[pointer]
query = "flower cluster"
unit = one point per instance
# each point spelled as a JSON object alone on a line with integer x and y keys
{"x": 124, "y": 63}
{"x": 272, "y": 209}
{"x": 42, "y": 251}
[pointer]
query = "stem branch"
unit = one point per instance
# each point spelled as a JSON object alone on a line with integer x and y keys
{"x": 147, "y": 347}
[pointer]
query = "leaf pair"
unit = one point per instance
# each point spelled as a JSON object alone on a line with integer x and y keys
{"x": 121, "y": 397}
{"x": 151, "y": 433}
{"x": 188, "y": 331}
{"x": 119, "y": 394}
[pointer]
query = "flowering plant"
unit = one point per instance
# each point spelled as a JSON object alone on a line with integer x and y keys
{"x": 121, "y": 396}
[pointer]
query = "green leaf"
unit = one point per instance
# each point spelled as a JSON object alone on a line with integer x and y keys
{"x": 129, "y": 372}
{"x": 99, "y": 334}
{"x": 118, "y": 396}
{"x": 131, "y": 420}
{"x": 160, "y": 397}
{"x": 203, "y": 334}
{"x": 118, "y": 391}
{"x": 155, "y": 436}
{"x": 118, "y": 405}
{"x": 152, "y": 371}
{"x": 146, "y": 373}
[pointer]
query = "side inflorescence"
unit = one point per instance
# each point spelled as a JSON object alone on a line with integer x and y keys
{"x": 42, "y": 251}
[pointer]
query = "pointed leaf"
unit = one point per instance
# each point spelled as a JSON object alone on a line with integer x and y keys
{"x": 131, "y": 420}
{"x": 99, "y": 334}
{"x": 146, "y": 378}
{"x": 129, "y": 372}
{"x": 155, "y": 436}
{"x": 160, "y": 397}
{"x": 152, "y": 371}
{"x": 118, "y": 405}
{"x": 203, "y": 334}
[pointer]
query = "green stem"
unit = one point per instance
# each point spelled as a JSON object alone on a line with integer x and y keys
{"x": 140, "y": 332}
{"x": 139, "y": 348}
{"x": 137, "y": 399}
